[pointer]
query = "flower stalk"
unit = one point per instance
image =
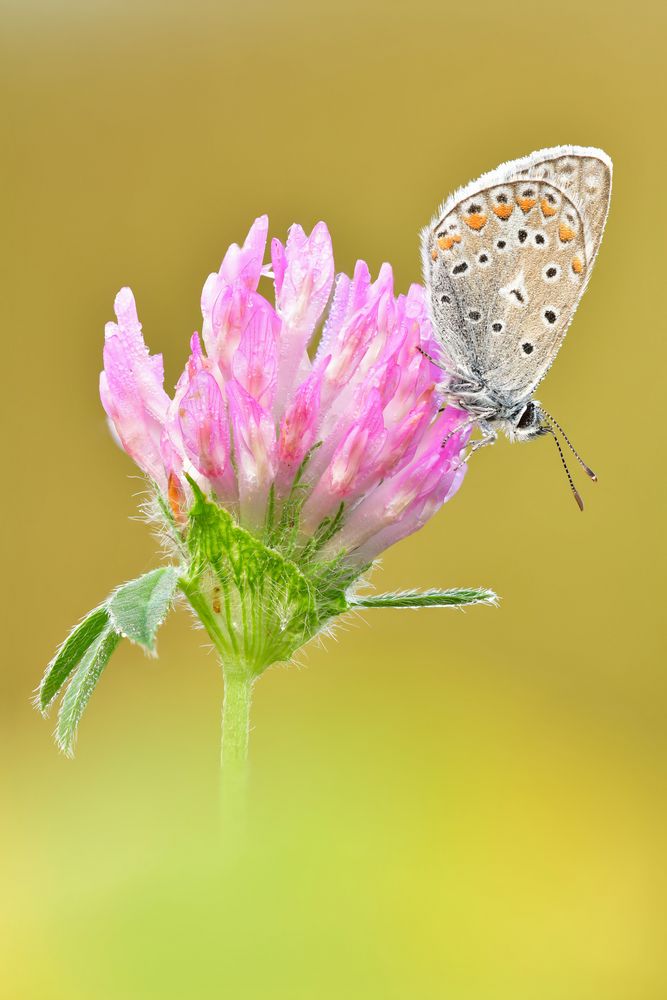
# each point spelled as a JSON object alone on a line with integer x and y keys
{"x": 235, "y": 721}
{"x": 234, "y": 749}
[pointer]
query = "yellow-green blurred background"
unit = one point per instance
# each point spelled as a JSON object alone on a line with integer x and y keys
{"x": 443, "y": 804}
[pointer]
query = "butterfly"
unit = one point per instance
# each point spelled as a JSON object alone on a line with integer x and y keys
{"x": 506, "y": 260}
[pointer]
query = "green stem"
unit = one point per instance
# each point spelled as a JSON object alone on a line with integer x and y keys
{"x": 235, "y": 714}
{"x": 234, "y": 752}
{"x": 235, "y": 721}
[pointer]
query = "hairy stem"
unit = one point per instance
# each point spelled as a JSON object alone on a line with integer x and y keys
{"x": 235, "y": 721}
{"x": 238, "y": 683}
{"x": 234, "y": 752}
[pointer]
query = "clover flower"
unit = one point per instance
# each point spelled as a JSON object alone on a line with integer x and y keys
{"x": 302, "y": 440}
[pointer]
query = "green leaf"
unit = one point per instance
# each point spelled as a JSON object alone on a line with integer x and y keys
{"x": 427, "y": 599}
{"x": 69, "y": 655}
{"x": 82, "y": 686}
{"x": 137, "y": 609}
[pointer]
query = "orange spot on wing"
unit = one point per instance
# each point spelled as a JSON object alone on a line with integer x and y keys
{"x": 547, "y": 209}
{"x": 525, "y": 204}
{"x": 476, "y": 220}
{"x": 503, "y": 211}
{"x": 447, "y": 242}
{"x": 434, "y": 254}
{"x": 577, "y": 265}
{"x": 565, "y": 234}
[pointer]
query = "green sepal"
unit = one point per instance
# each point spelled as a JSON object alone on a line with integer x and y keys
{"x": 138, "y": 608}
{"x": 325, "y": 531}
{"x": 258, "y": 606}
{"x": 427, "y": 599}
{"x": 69, "y": 655}
{"x": 82, "y": 686}
{"x": 284, "y": 535}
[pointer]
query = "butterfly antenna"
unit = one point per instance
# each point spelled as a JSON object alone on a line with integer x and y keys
{"x": 575, "y": 492}
{"x": 589, "y": 472}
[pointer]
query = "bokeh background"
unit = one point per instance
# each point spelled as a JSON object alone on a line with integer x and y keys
{"x": 444, "y": 804}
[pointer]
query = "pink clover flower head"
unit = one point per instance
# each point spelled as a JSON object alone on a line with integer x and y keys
{"x": 352, "y": 427}
{"x": 305, "y": 436}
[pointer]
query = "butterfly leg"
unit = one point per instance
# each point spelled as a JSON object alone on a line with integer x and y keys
{"x": 455, "y": 430}
{"x": 490, "y": 436}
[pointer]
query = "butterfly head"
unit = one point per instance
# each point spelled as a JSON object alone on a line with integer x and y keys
{"x": 528, "y": 422}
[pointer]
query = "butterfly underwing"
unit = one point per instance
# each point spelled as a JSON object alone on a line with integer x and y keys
{"x": 506, "y": 260}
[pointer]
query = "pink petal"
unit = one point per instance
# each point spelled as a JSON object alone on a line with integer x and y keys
{"x": 404, "y": 436}
{"x": 298, "y": 430}
{"x": 278, "y": 263}
{"x": 231, "y": 313}
{"x": 405, "y": 499}
{"x": 354, "y": 466}
{"x": 205, "y": 432}
{"x": 350, "y": 296}
{"x": 307, "y": 277}
{"x": 304, "y": 272}
{"x": 255, "y": 362}
{"x": 244, "y": 263}
{"x": 255, "y": 453}
{"x": 131, "y": 388}
{"x": 398, "y": 501}
{"x": 414, "y": 518}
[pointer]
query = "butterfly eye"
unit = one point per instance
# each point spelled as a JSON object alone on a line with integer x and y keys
{"x": 528, "y": 415}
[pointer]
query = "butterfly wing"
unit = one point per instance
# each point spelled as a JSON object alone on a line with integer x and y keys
{"x": 506, "y": 261}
